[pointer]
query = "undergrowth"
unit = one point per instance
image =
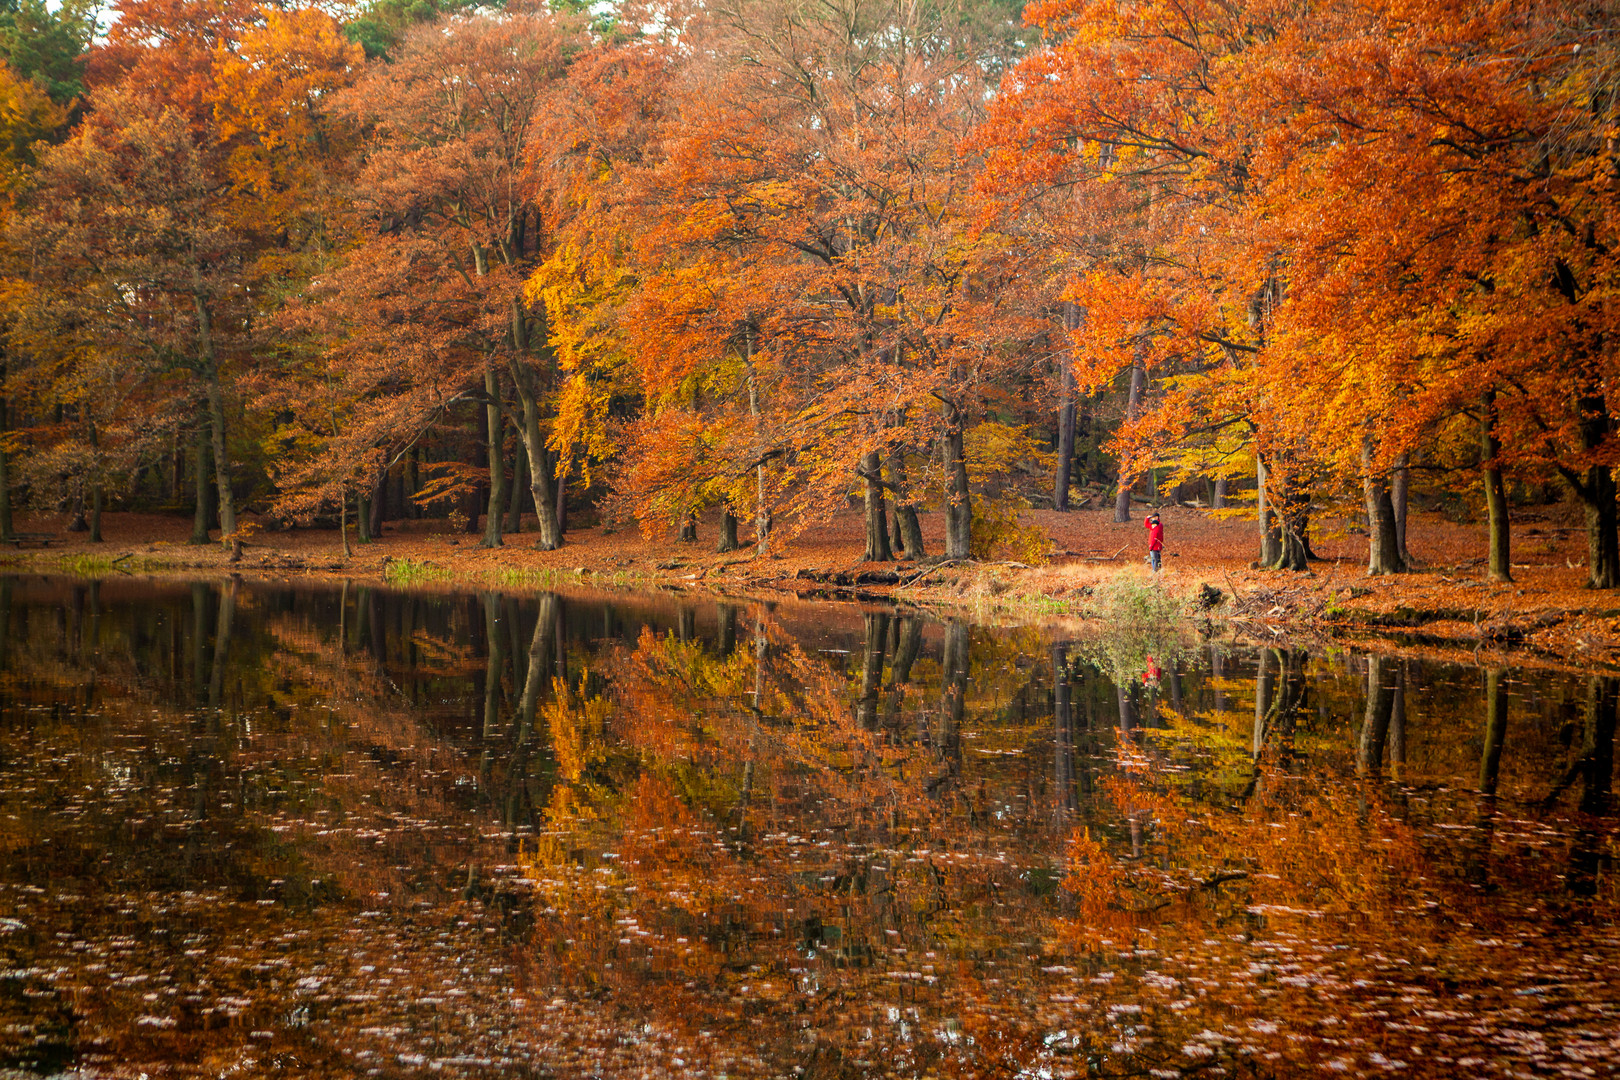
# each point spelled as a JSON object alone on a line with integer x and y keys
{"x": 414, "y": 572}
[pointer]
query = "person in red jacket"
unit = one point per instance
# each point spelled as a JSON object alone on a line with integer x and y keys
{"x": 1155, "y": 539}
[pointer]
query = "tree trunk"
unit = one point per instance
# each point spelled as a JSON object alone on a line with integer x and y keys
{"x": 728, "y": 532}
{"x": 96, "y": 498}
{"x": 1218, "y": 500}
{"x": 688, "y": 531}
{"x": 199, "y": 522}
{"x": 379, "y": 505}
{"x": 1596, "y": 491}
{"x": 362, "y": 518}
{"x": 1066, "y": 408}
{"x": 958, "y": 504}
{"x": 343, "y": 522}
{"x": 908, "y": 541}
{"x": 1122, "y": 502}
{"x": 877, "y": 523}
{"x": 562, "y": 501}
{"x": 413, "y": 483}
{"x": 1270, "y": 533}
{"x": 222, "y": 461}
{"x": 5, "y": 469}
{"x": 534, "y": 445}
{"x": 520, "y": 483}
{"x": 1383, "y": 544}
{"x": 762, "y": 509}
{"x": 495, "y": 516}
{"x": 1400, "y": 483}
{"x": 1500, "y": 567}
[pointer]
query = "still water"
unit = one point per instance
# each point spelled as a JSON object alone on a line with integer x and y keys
{"x": 250, "y": 830}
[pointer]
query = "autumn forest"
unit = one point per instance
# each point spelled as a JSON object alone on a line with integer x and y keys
{"x": 753, "y": 260}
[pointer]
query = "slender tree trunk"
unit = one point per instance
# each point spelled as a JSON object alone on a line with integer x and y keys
{"x": 362, "y": 518}
{"x": 199, "y": 522}
{"x": 496, "y": 514}
{"x": 520, "y": 484}
{"x": 688, "y": 530}
{"x": 96, "y": 498}
{"x": 1500, "y": 566}
{"x": 877, "y": 524}
{"x": 343, "y": 523}
{"x": 1066, "y": 408}
{"x": 1400, "y": 484}
{"x": 413, "y": 482}
{"x": 1133, "y": 404}
{"x": 1383, "y": 545}
{"x": 216, "y": 409}
{"x": 5, "y": 467}
{"x": 958, "y": 503}
{"x": 545, "y": 500}
{"x": 222, "y": 461}
{"x": 728, "y": 532}
{"x": 762, "y": 509}
{"x": 562, "y": 500}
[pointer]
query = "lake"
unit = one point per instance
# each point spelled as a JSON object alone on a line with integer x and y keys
{"x": 254, "y": 828}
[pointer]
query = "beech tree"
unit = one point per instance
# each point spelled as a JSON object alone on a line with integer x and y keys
{"x": 427, "y": 311}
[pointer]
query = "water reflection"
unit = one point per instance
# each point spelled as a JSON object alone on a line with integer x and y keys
{"x": 346, "y": 830}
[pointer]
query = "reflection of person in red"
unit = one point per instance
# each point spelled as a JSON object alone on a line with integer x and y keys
{"x": 1155, "y": 539}
{"x": 1153, "y": 673}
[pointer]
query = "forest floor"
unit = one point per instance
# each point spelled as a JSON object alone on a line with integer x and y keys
{"x": 1446, "y": 605}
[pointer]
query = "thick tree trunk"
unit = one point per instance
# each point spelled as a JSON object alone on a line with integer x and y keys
{"x": 1400, "y": 484}
{"x": 496, "y": 515}
{"x": 1383, "y": 545}
{"x": 907, "y": 539}
{"x": 1596, "y": 490}
{"x": 379, "y": 506}
{"x": 1499, "y": 567}
{"x": 1218, "y": 500}
{"x": 1122, "y": 502}
{"x": 877, "y": 524}
{"x": 1066, "y": 409}
{"x": 958, "y": 503}
{"x": 1270, "y": 532}
{"x": 728, "y": 532}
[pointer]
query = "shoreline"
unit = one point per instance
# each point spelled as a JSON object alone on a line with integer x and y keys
{"x": 1544, "y": 620}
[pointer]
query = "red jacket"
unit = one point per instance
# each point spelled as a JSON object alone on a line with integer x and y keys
{"x": 1155, "y": 535}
